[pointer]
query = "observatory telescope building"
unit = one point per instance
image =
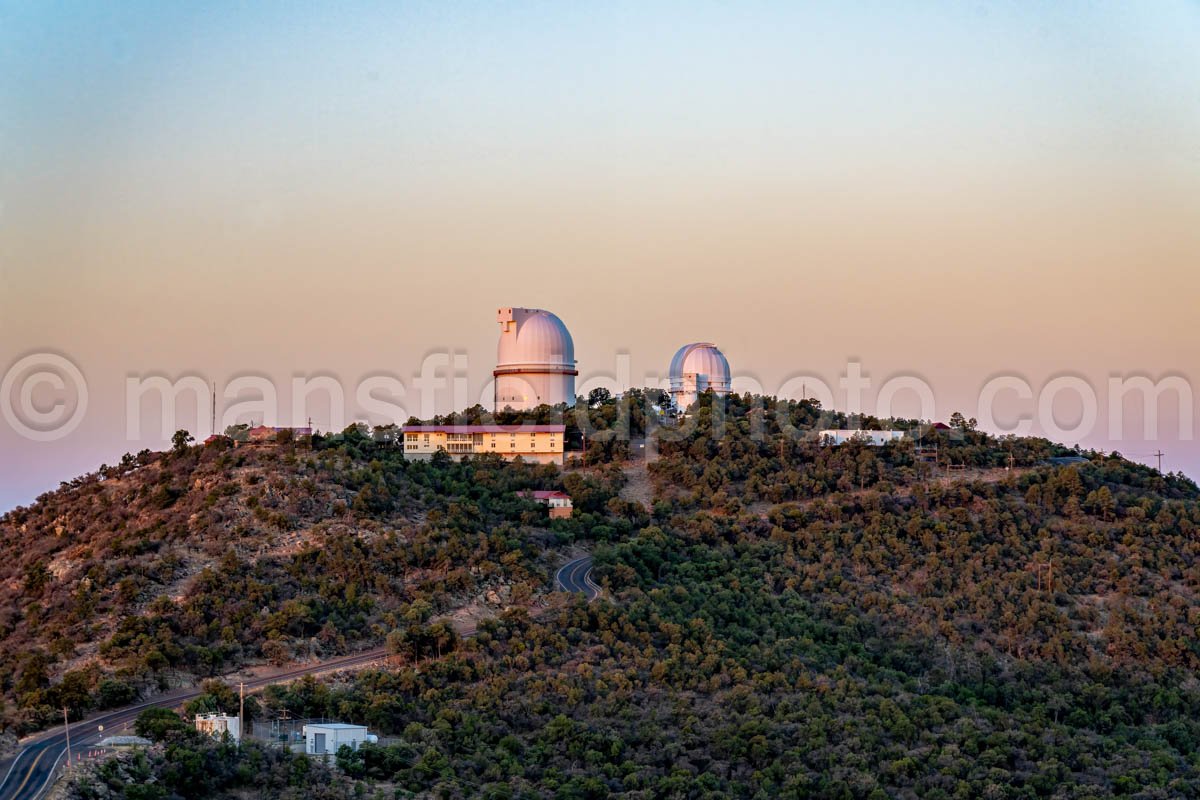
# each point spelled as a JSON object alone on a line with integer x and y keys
{"x": 535, "y": 360}
{"x": 696, "y": 368}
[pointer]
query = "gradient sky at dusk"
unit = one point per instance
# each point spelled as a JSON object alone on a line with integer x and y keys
{"x": 952, "y": 192}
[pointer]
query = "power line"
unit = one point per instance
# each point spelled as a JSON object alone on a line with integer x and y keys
{"x": 1157, "y": 454}
{"x": 241, "y": 713}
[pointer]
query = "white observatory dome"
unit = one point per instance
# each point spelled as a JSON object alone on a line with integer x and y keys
{"x": 696, "y": 368}
{"x": 535, "y": 360}
{"x": 536, "y": 337}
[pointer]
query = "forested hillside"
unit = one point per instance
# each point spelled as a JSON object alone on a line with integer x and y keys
{"x": 786, "y": 620}
{"x": 896, "y": 637}
{"x": 190, "y": 562}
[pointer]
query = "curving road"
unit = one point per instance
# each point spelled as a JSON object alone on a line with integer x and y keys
{"x": 30, "y": 772}
{"x": 576, "y": 576}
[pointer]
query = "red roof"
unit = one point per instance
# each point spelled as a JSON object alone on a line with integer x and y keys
{"x": 518, "y": 428}
{"x": 545, "y": 494}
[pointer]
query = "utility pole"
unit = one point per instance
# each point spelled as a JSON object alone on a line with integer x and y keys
{"x": 241, "y": 713}
{"x": 1159, "y": 454}
{"x": 67, "y": 726}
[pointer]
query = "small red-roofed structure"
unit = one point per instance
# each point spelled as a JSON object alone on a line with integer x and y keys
{"x": 559, "y": 503}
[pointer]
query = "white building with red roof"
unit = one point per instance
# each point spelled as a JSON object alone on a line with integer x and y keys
{"x": 559, "y": 503}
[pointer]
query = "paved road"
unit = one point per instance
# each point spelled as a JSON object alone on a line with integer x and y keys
{"x": 576, "y": 576}
{"x": 31, "y": 770}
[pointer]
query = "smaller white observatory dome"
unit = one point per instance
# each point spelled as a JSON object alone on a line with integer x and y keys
{"x": 696, "y": 368}
{"x": 535, "y": 360}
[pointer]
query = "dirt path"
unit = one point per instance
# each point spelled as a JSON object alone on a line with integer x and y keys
{"x": 638, "y": 488}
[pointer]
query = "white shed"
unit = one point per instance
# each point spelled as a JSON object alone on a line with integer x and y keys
{"x": 326, "y": 738}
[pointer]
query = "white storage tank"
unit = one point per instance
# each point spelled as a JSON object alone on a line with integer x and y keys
{"x": 217, "y": 725}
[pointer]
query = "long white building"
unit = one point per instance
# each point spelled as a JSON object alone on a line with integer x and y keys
{"x": 535, "y": 360}
{"x": 540, "y": 443}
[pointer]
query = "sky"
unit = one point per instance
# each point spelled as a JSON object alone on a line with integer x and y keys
{"x": 952, "y": 192}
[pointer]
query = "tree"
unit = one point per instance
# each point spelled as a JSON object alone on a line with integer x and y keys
{"x": 277, "y": 652}
{"x": 114, "y": 693}
{"x": 34, "y": 675}
{"x": 158, "y": 724}
{"x": 598, "y": 397}
{"x": 239, "y": 432}
{"x": 37, "y": 577}
{"x": 961, "y": 423}
{"x": 356, "y": 432}
{"x": 181, "y": 440}
{"x": 220, "y": 697}
{"x": 1101, "y": 502}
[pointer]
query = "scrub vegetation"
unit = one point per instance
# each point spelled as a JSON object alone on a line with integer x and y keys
{"x": 784, "y": 620}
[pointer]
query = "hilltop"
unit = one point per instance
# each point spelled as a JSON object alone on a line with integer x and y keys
{"x": 780, "y": 618}
{"x": 188, "y": 563}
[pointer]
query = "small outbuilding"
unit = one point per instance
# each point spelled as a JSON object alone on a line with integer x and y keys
{"x": 327, "y": 737}
{"x": 559, "y": 503}
{"x": 217, "y": 725}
